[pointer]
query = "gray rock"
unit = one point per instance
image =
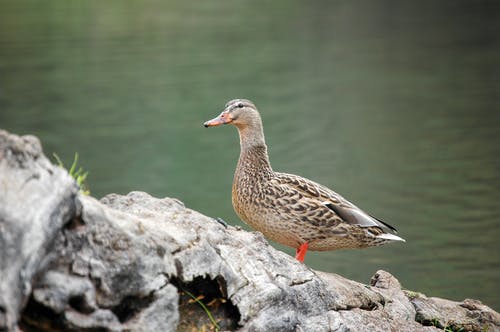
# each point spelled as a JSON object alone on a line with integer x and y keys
{"x": 139, "y": 263}
{"x": 471, "y": 315}
{"x": 36, "y": 200}
{"x": 161, "y": 315}
{"x": 56, "y": 290}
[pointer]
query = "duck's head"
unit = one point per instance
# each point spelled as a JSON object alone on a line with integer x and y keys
{"x": 239, "y": 112}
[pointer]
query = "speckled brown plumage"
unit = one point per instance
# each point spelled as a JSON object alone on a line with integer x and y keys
{"x": 287, "y": 208}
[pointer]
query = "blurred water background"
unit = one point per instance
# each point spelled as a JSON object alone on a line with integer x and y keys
{"x": 394, "y": 104}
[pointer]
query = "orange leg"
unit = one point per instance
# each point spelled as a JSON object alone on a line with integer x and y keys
{"x": 301, "y": 252}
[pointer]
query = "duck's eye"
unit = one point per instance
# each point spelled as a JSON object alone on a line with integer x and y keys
{"x": 240, "y": 105}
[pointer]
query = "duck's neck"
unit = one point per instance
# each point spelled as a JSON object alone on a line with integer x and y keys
{"x": 254, "y": 160}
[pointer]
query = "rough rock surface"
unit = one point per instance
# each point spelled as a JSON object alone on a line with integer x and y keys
{"x": 36, "y": 200}
{"x": 135, "y": 263}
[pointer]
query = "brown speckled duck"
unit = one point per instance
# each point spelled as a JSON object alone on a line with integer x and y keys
{"x": 287, "y": 208}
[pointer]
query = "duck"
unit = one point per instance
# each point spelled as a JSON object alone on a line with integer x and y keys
{"x": 290, "y": 209}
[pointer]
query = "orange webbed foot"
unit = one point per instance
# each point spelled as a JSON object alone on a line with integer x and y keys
{"x": 301, "y": 252}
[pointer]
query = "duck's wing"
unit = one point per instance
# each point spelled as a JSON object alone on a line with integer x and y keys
{"x": 318, "y": 197}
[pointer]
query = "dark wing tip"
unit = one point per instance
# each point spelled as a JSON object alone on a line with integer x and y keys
{"x": 392, "y": 228}
{"x": 358, "y": 218}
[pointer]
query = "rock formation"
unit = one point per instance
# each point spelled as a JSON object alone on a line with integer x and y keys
{"x": 137, "y": 263}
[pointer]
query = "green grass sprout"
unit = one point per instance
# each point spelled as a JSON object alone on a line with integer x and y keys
{"x": 76, "y": 173}
{"x": 204, "y": 307}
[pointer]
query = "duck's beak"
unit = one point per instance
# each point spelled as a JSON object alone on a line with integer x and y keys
{"x": 223, "y": 118}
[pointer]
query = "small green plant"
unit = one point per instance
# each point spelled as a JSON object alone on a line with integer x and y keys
{"x": 204, "y": 307}
{"x": 412, "y": 295}
{"x": 435, "y": 322}
{"x": 452, "y": 328}
{"x": 448, "y": 328}
{"x": 78, "y": 174}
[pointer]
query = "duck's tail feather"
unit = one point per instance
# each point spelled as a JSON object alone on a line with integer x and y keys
{"x": 390, "y": 237}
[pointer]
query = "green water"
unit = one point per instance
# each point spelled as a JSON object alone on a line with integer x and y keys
{"x": 395, "y": 105}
